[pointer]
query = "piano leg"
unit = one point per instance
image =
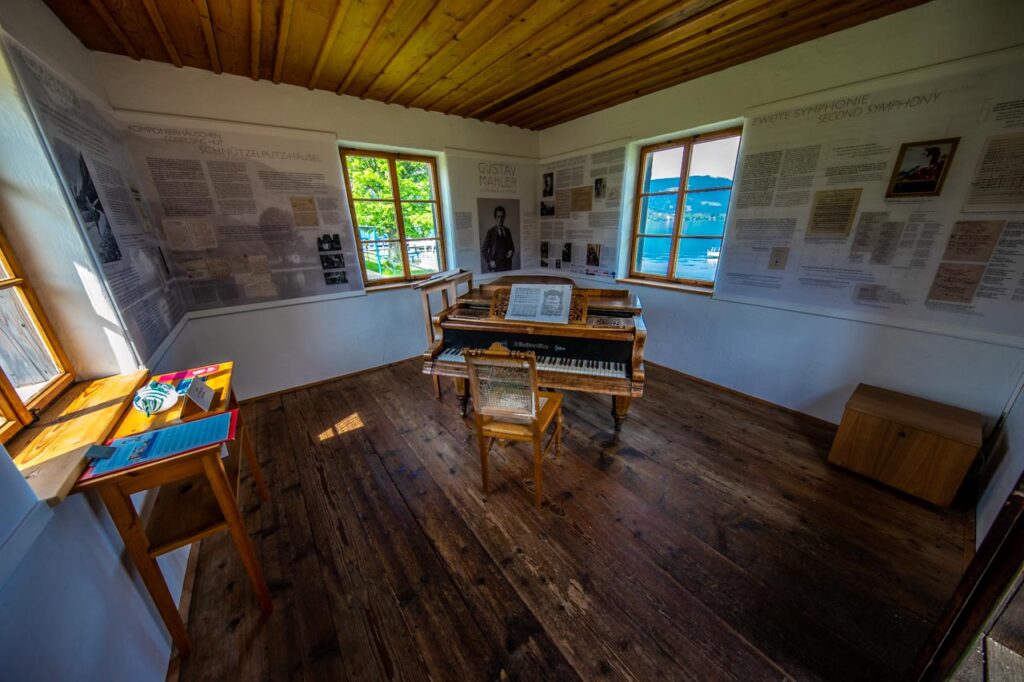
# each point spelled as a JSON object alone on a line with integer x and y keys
{"x": 462, "y": 391}
{"x": 620, "y": 410}
{"x": 437, "y": 386}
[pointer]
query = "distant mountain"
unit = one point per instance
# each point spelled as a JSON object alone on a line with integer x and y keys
{"x": 696, "y": 182}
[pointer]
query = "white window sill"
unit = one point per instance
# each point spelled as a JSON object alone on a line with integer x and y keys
{"x": 674, "y": 286}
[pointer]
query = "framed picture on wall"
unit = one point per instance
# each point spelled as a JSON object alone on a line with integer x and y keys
{"x": 921, "y": 168}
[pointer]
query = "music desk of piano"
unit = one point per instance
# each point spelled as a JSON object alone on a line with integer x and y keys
{"x": 603, "y": 353}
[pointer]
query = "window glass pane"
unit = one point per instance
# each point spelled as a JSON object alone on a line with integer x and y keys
{"x": 662, "y": 169}
{"x": 415, "y": 180}
{"x": 652, "y": 255}
{"x": 4, "y": 273}
{"x": 424, "y": 256}
{"x": 713, "y": 163}
{"x": 420, "y": 221}
{"x": 383, "y": 260}
{"x": 24, "y": 357}
{"x": 698, "y": 259}
{"x": 369, "y": 177}
{"x": 658, "y": 214}
{"x": 705, "y": 213}
{"x": 376, "y": 220}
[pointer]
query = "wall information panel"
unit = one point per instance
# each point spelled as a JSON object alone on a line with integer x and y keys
{"x": 901, "y": 204}
{"x": 495, "y": 222}
{"x": 246, "y": 217}
{"x": 580, "y": 212}
{"x": 86, "y": 146}
{"x": 193, "y": 215}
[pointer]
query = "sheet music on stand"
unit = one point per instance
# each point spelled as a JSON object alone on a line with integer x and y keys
{"x": 540, "y": 303}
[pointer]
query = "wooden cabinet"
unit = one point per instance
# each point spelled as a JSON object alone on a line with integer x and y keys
{"x": 918, "y": 446}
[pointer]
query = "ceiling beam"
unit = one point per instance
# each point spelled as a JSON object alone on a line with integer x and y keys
{"x": 574, "y": 20}
{"x": 337, "y": 18}
{"x": 688, "y": 66}
{"x": 442, "y": 50}
{"x": 390, "y": 60}
{"x": 165, "y": 37}
{"x": 522, "y": 21}
{"x": 208, "y": 35}
{"x": 283, "y": 28}
{"x": 680, "y": 65}
{"x": 577, "y": 52}
{"x": 255, "y": 37}
{"x": 710, "y": 28}
{"x": 382, "y": 21}
{"x": 114, "y": 28}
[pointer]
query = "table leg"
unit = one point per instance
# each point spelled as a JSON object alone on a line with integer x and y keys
{"x": 254, "y": 465}
{"x": 222, "y": 489}
{"x": 129, "y": 525}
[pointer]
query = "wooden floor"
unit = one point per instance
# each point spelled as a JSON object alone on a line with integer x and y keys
{"x": 711, "y": 542}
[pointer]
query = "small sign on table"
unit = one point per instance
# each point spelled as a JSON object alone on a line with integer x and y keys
{"x": 200, "y": 394}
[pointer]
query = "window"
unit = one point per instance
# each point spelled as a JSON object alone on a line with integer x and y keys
{"x": 678, "y": 226}
{"x": 396, "y": 210}
{"x": 33, "y": 369}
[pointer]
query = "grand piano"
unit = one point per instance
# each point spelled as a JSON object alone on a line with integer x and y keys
{"x": 601, "y": 350}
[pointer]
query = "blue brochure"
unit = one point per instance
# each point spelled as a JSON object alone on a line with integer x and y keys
{"x": 173, "y": 440}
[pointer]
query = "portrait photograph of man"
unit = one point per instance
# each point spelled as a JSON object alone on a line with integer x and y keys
{"x": 552, "y": 302}
{"x": 549, "y": 185}
{"x": 499, "y": 234}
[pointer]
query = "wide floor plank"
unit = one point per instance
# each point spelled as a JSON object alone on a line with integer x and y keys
{"x": 711, "y": 540}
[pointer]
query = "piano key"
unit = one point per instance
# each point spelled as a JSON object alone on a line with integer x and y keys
{"x": 564, "y": 365}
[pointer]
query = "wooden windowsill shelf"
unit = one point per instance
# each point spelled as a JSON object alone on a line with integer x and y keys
{"x": 50, "y": 453}
{"x": 663, "y": 284}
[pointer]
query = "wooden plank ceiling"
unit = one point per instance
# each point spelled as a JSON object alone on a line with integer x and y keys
{"x": 526, "y": 63}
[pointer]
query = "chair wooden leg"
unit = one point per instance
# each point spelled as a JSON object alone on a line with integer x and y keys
{"x": 483, "y": 443}
{"x": 558, "y": 434}
{"x": 538, "y": 459}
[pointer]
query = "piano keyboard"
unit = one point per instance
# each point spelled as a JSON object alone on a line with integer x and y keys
{"x": 597, "y": 368}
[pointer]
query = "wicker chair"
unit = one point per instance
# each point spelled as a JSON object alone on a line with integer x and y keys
{"x": 508, "y": 406}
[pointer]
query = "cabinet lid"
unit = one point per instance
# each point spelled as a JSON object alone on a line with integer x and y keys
{"x": 947, "y": 421}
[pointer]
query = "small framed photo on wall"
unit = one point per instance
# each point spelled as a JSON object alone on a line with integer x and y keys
{"x": 921, "y": 168}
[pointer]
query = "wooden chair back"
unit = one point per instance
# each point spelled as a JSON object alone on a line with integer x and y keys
{"x": 503, "y": 384}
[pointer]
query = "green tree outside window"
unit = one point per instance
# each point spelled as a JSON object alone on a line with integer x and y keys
{"x": 397, "y": 214}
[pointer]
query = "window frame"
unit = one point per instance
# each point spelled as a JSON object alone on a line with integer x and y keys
{"x": 397, "y": 201}
{"x": 687, "y": 143}
{"x": 17, "y": 413}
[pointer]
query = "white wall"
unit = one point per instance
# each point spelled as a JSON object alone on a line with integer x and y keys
{"x": 1007, "y": 460}
{"x": 66, "y": 593}
{"x": 294, "y": 344}
{"x": 70, "y": 610}
{"x": 933, "y": 33}
{"x": 807, "y": 362}
{"x": 291, "y": 345}
{"x": 34, "y": 214}
{"x": 161, "y": 88}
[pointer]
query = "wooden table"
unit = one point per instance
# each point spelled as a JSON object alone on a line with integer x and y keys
{"x": 196, "y": 496}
